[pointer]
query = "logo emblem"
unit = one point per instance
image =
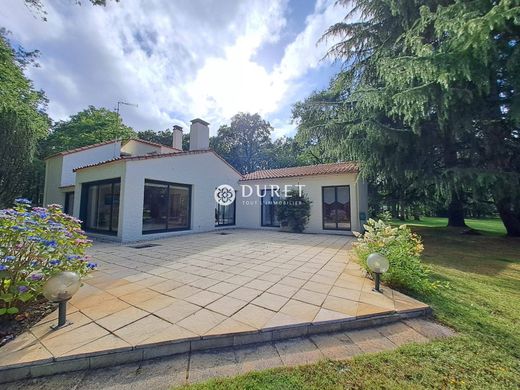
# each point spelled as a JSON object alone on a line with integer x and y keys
{"x": 224, "y": 195}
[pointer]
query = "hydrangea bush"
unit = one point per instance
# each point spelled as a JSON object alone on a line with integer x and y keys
{"x": 403, "y": 250}
{"x": 36, "y": 243}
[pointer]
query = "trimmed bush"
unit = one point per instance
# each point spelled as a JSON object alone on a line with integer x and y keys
{"x": 294, "y": 211}
{"x": 36, "y": 243}
{"x": 403, "y": 250}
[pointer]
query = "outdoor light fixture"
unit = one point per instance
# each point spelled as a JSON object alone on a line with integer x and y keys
{"x": 60, "y": 288}
{"x": 379, "y": 265}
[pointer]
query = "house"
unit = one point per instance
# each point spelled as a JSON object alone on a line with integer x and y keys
{"x": 135, "y": 190}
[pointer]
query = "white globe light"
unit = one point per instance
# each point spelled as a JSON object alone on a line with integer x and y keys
{"x": 377, "y": 263}
{"x": 61, "y": 286}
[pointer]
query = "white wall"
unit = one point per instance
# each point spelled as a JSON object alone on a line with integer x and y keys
{"x": 51, "y": 192}
{"x": 248, "y": 209}
{"x": 136, "y": 148}
{"x": 204, "y": 172}
{"x": 86, "y": 157}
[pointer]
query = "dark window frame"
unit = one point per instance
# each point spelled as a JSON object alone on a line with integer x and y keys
{"x": 217, "y": 224}
{"x": 67, "y": 202}
{"x": 84, "y": 200}
{"x": 168, "y": 184}
{"x": 272, "y": 206}
{"x": 335, "y": 199}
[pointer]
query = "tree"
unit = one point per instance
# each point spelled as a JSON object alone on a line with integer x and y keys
{"x": 22, "y": 120}
{"x": 245, "y": 142}
{"x": 87, "y": 127}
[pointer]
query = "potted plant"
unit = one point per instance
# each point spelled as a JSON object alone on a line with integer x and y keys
{"x": 294, "y": 211}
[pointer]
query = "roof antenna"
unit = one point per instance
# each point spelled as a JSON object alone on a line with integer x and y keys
{"x": 120, "y": 122}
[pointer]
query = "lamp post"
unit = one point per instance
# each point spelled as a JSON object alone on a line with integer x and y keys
{"x": 378, "y": 264}
{"x": 60, "y": 288}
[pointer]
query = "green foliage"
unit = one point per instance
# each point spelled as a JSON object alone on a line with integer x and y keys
{"x": 36, "y": 243}
{"x": 294, "y": 211}
{"x": 87, "y": 127}
{"x": 22, "y": 120}
{"x": 403, "y": 250}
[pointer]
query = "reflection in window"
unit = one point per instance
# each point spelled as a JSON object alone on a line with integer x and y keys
{"x": 101, "y": 206}
{"x": 225, "y": 215}
{"x": 166, "y": 206}
{"x": 336, "y": 207}
{"x": 269, "y": 201}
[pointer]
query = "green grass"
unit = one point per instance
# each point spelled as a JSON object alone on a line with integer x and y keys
{"x": 485, "y": 226}
{"x": 482, "y": 305}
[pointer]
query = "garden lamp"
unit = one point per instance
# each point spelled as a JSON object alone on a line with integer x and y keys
{"x": 378, "y": 264}
{"x": 60, "y": 288}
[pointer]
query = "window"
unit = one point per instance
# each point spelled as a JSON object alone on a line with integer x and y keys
{"x": 166, "y": 207}
{"x": 100, "y": 206}
{"x": 268, "y": 210}
{"x": 336, "y": 207}
{"x": 68, "y": 208}
{"x": 225, "y": 215}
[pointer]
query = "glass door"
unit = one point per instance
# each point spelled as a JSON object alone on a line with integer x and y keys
{"x": 100, "y": 206}
{"x": 336, "y": 207}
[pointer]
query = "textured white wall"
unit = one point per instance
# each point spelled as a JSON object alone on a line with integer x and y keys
{"x": 86, "y": 157}
{"x": 136, "y": 148}
{"x": 248, "y": 209}
{"x": 204, "y": 172}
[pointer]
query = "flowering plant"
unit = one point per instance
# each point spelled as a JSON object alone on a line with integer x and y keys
{"x": 403, "y": 250}
{"x": 36, "y": 243}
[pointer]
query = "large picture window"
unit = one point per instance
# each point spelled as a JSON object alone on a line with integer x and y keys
{"x": 336, "y": 207}
{"x": 100, "y": 206}
{"x": 225, "y": 215}
{"x": 268, "y": 209}
{"x": 166, "y": 207}
{"x": 68, "y": 208}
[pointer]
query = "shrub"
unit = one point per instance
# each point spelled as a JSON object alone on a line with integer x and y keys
{"x": 403, "y": 250}
{"x": 36, "y": 243}
{"x": 294, "y": 211}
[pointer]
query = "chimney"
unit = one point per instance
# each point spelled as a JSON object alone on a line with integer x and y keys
{"x": 199, "y": 134}
{"x": 177, "y": 137}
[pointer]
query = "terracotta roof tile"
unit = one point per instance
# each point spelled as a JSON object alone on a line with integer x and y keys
{"x": 309, "y": 170}
{"x": 80, "y": 149}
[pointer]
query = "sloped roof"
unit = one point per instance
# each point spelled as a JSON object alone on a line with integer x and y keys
{"x": 309, "y": 170}
{"x": 153, "y": 156}
{"x": 65, "y": 152}
{"x": 151, "y": 143}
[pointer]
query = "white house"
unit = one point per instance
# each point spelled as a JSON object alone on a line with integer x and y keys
{"x": 137, "y": 190}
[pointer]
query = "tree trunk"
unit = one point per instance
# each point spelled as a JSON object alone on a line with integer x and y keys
{"x": 510, "y": 219}
{"x": 456, "y": 211}
{"x": 402, "y": 211}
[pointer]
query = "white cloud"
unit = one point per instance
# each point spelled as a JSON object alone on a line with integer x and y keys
{"x": 177, "y": 60}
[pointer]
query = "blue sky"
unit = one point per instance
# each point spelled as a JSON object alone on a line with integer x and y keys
{"x": 178, "y": 59}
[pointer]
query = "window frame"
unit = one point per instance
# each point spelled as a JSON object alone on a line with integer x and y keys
{"x": 67, "y": 202}
{"x": 272, "y": 207}
{"x": 84, "y": 205}
{"x": 168, "y": 184}
{"x": 335, "y": 200}
{"x": 217, "y": 224}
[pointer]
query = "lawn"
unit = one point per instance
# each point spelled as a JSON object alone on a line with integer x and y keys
{"x": 482, "y": 304}
{"x": 485, "y": 226}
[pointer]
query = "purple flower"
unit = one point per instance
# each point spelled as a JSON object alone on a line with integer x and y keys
{"x": 23, "y": 289}
{"x": 22, "y": 201}
{"x": 54, "y": 262}
{"x": 91, "y": 265}
{"x": 50, "y": 243}
{"x": 36, "y": 277}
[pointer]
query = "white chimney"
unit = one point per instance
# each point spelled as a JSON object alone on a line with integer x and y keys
{"x": 177, "y": 137}
{"x": 199, "y": 134}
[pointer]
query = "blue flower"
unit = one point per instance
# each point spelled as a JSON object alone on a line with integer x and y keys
{"x": 91, "y": 265}
{"x": 19, "y": 228}
{"x": 50, "y": 243}
{"x": 23, "y": 289}
{"x": 34, "y": 264}
{"x": 36, "y": 277}
{"x": 3, "y": 267}
{"x": 72, "y": 257}
{"x": 54, "y": 262}
{"x": 22, "y": 201}
{"x": 9, "y": 258}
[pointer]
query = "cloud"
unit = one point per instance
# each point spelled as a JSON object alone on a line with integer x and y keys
{"x": 176, "y": 60}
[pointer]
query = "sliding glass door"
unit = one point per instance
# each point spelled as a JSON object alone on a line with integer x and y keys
{"x": 268, "y": 209}
{"x": 166, "y": 207}
{"x": 336, "y": 207}
{"x": 100, "y": 206}
{"x": 225, "y": 215}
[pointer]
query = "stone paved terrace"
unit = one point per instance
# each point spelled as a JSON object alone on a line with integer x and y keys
{"x": 201, "y": 291}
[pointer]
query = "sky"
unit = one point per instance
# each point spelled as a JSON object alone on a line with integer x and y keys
{"x": 177, "y": 60}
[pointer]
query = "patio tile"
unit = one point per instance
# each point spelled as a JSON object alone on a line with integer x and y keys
{"x": 312, "y": 297}
{"x": 105, "y": 343}
{"x": 317, "y": 287}
{"x": 300, "y": 310}
{"x": 254, "y": 316}
{"x": 298, "y": 351}
{"x": 208, "y": 364}
{"x": 142, "y": 329}
{"x": 183, "y": 292}
{"x": 245, "y": 293}
{"x": 283, "y": 290}
{"x": 401, "y": 334}
{"x": 139, "y": 296}
{"x": 202, "y": 321}
{"x": 105, "y": 308}
{"x": 329, "y": 315}
{"x": 341, "y": 305}
{"x": 377, "y": 299}
{"x": 165, "y": 286}
{"x": 335, "y": 348}
{"x": 282, "y": 319}
{"x": 227, "y": 305}
{"x": 345, "y": 293}
{"x": 257, "y": 357}
{"x": 59, "y": 346}
{"x": 42, "y": 329}
{"x": 157, "y": 303}
{"x": 229, "y": 325}
{"x": 121, "y": 318}
{"x": 259, "y": 284}
{"x": 24, "y": 348}
{"x": 125, "y": 289}
{"x": 204, "y": 283}
{"x": 370, "y": 340}
{"x": 170, "y": 333}
{"x": 270, "y": 301}
{"x": 177, "y": 311}
{"x": 223, "y": 287}
{"x": 203, "y": 298}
